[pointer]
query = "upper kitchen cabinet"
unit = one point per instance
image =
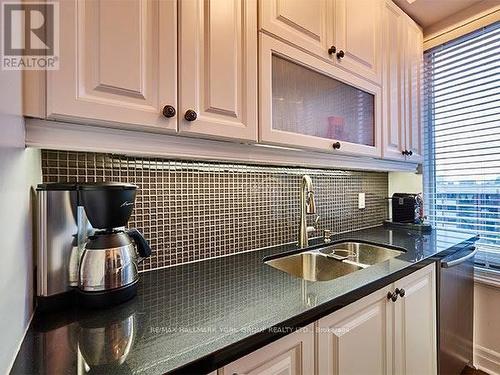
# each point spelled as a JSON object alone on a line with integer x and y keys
{"x": 118, "y": 63}
{"x": 393, "y": 83}
{"x": 343, "y": 32}
{"x": 402, "y": 81}
{"x": 357, "y": 41}
{"x": 218, "y": 68}
{"x": 413, "y": 91}
{"x": 304, "y": 23}
{"x": 306, "y": 102}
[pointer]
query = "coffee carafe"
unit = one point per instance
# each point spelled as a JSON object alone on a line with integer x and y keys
{"x": 108, "y": 271}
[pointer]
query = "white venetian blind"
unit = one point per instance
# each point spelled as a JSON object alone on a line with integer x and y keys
{"x": 462, "y": 138}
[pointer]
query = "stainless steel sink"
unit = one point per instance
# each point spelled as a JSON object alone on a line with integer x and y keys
{"x": 332, "y": 261}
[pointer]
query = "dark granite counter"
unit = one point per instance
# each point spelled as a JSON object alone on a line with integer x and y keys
{"x": 197, "y": 317}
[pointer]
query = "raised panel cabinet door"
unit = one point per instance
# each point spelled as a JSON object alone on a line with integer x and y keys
{"x": 290, "y": 355}
{"x": 413, "y": 83}
{"x": 118, "y": 63}
{"x": 218, "y": 68}
{"x": 357, "y": 37}
{"x": 415, "y": 324}
{"x": 305, "y": 23}
{"x": 393, "y": 130}
{"x": 357, "y": 339}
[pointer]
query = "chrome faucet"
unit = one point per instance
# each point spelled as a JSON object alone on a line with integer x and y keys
{"x": 307, "y": 206}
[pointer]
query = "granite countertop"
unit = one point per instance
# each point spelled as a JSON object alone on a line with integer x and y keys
{"x": 196, "y": 317}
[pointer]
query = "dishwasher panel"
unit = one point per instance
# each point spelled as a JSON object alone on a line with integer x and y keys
{"x": 456, "y": 312}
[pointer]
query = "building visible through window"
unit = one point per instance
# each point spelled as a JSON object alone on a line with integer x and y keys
{"x": 462, "y": 138}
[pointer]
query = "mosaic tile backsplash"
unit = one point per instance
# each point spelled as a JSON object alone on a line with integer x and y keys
{"x": 190, "y": 211}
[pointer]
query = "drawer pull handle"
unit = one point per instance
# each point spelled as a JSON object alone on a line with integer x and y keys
{"x": 332, "y": 50}
{"x": 336, "y": 145}
{"x": 340, "y": 54}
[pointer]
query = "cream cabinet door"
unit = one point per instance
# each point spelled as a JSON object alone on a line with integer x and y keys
{"x": 307, "y": 102}
{"x": 118, "y": 63}
{"x": 218, "y": 68}
{"x": 290, "y": 355}
{"x": 357, "y": 339}
{"x": 305, "y": 23}
{"x": 413, "y": 86}
{"x": 393, "y": 131}
{"x": 415, "y": 324}
{"x": 357, "y": 35}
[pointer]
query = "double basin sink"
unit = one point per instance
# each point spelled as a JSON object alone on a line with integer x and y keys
{"x": 332, "y": 261}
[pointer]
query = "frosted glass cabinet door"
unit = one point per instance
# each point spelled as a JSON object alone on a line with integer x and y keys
{"x": 324, "y": 108}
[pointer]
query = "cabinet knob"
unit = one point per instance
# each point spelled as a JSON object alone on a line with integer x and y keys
{"x": 336, "y": 145}
{"x": 190, "y": 115}
{"x": 340, "y": 54}
{"x": 169, "y": 111}
{"x": 392, "y": 296}
{"x": 409, "y": 153}
{"x": 332, "y": 50}
{"x": 404, "y": 152}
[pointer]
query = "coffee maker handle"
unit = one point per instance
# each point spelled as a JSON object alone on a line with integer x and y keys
{"x": 143, "y": 247}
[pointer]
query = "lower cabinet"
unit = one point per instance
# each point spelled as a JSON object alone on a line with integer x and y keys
{"x": 291, "y": 355}
{"x": 357, "y": 340}
{"x": 415, "y": 348}
{"x": 391, "y": 331}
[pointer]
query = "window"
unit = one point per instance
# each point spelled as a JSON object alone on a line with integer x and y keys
{"x": 462, "y": 138}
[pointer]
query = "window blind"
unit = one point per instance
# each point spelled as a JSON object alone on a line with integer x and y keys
{"x": 462, "y": 138}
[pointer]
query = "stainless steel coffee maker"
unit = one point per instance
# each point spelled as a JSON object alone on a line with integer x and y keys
{"x": 62, "y": 229}
{"x": 92, "y": 254}
{"x": 108, "y": 271}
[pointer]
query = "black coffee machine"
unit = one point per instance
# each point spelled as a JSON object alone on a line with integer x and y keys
{"x": 108, "y": 271}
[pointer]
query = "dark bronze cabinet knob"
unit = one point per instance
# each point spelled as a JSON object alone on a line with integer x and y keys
{"x": 332, "y": 50}
{"x": 169, "y": 111}
{"x": 340, "y": 54}
{"x": 190, "y": 115}
{"x": 404, "y": 152}
{"x": 336, "y": 145}
{"x": 410, "y": 153}
{"x": 401, "y": 292}
{"x": 392, "y": 296}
